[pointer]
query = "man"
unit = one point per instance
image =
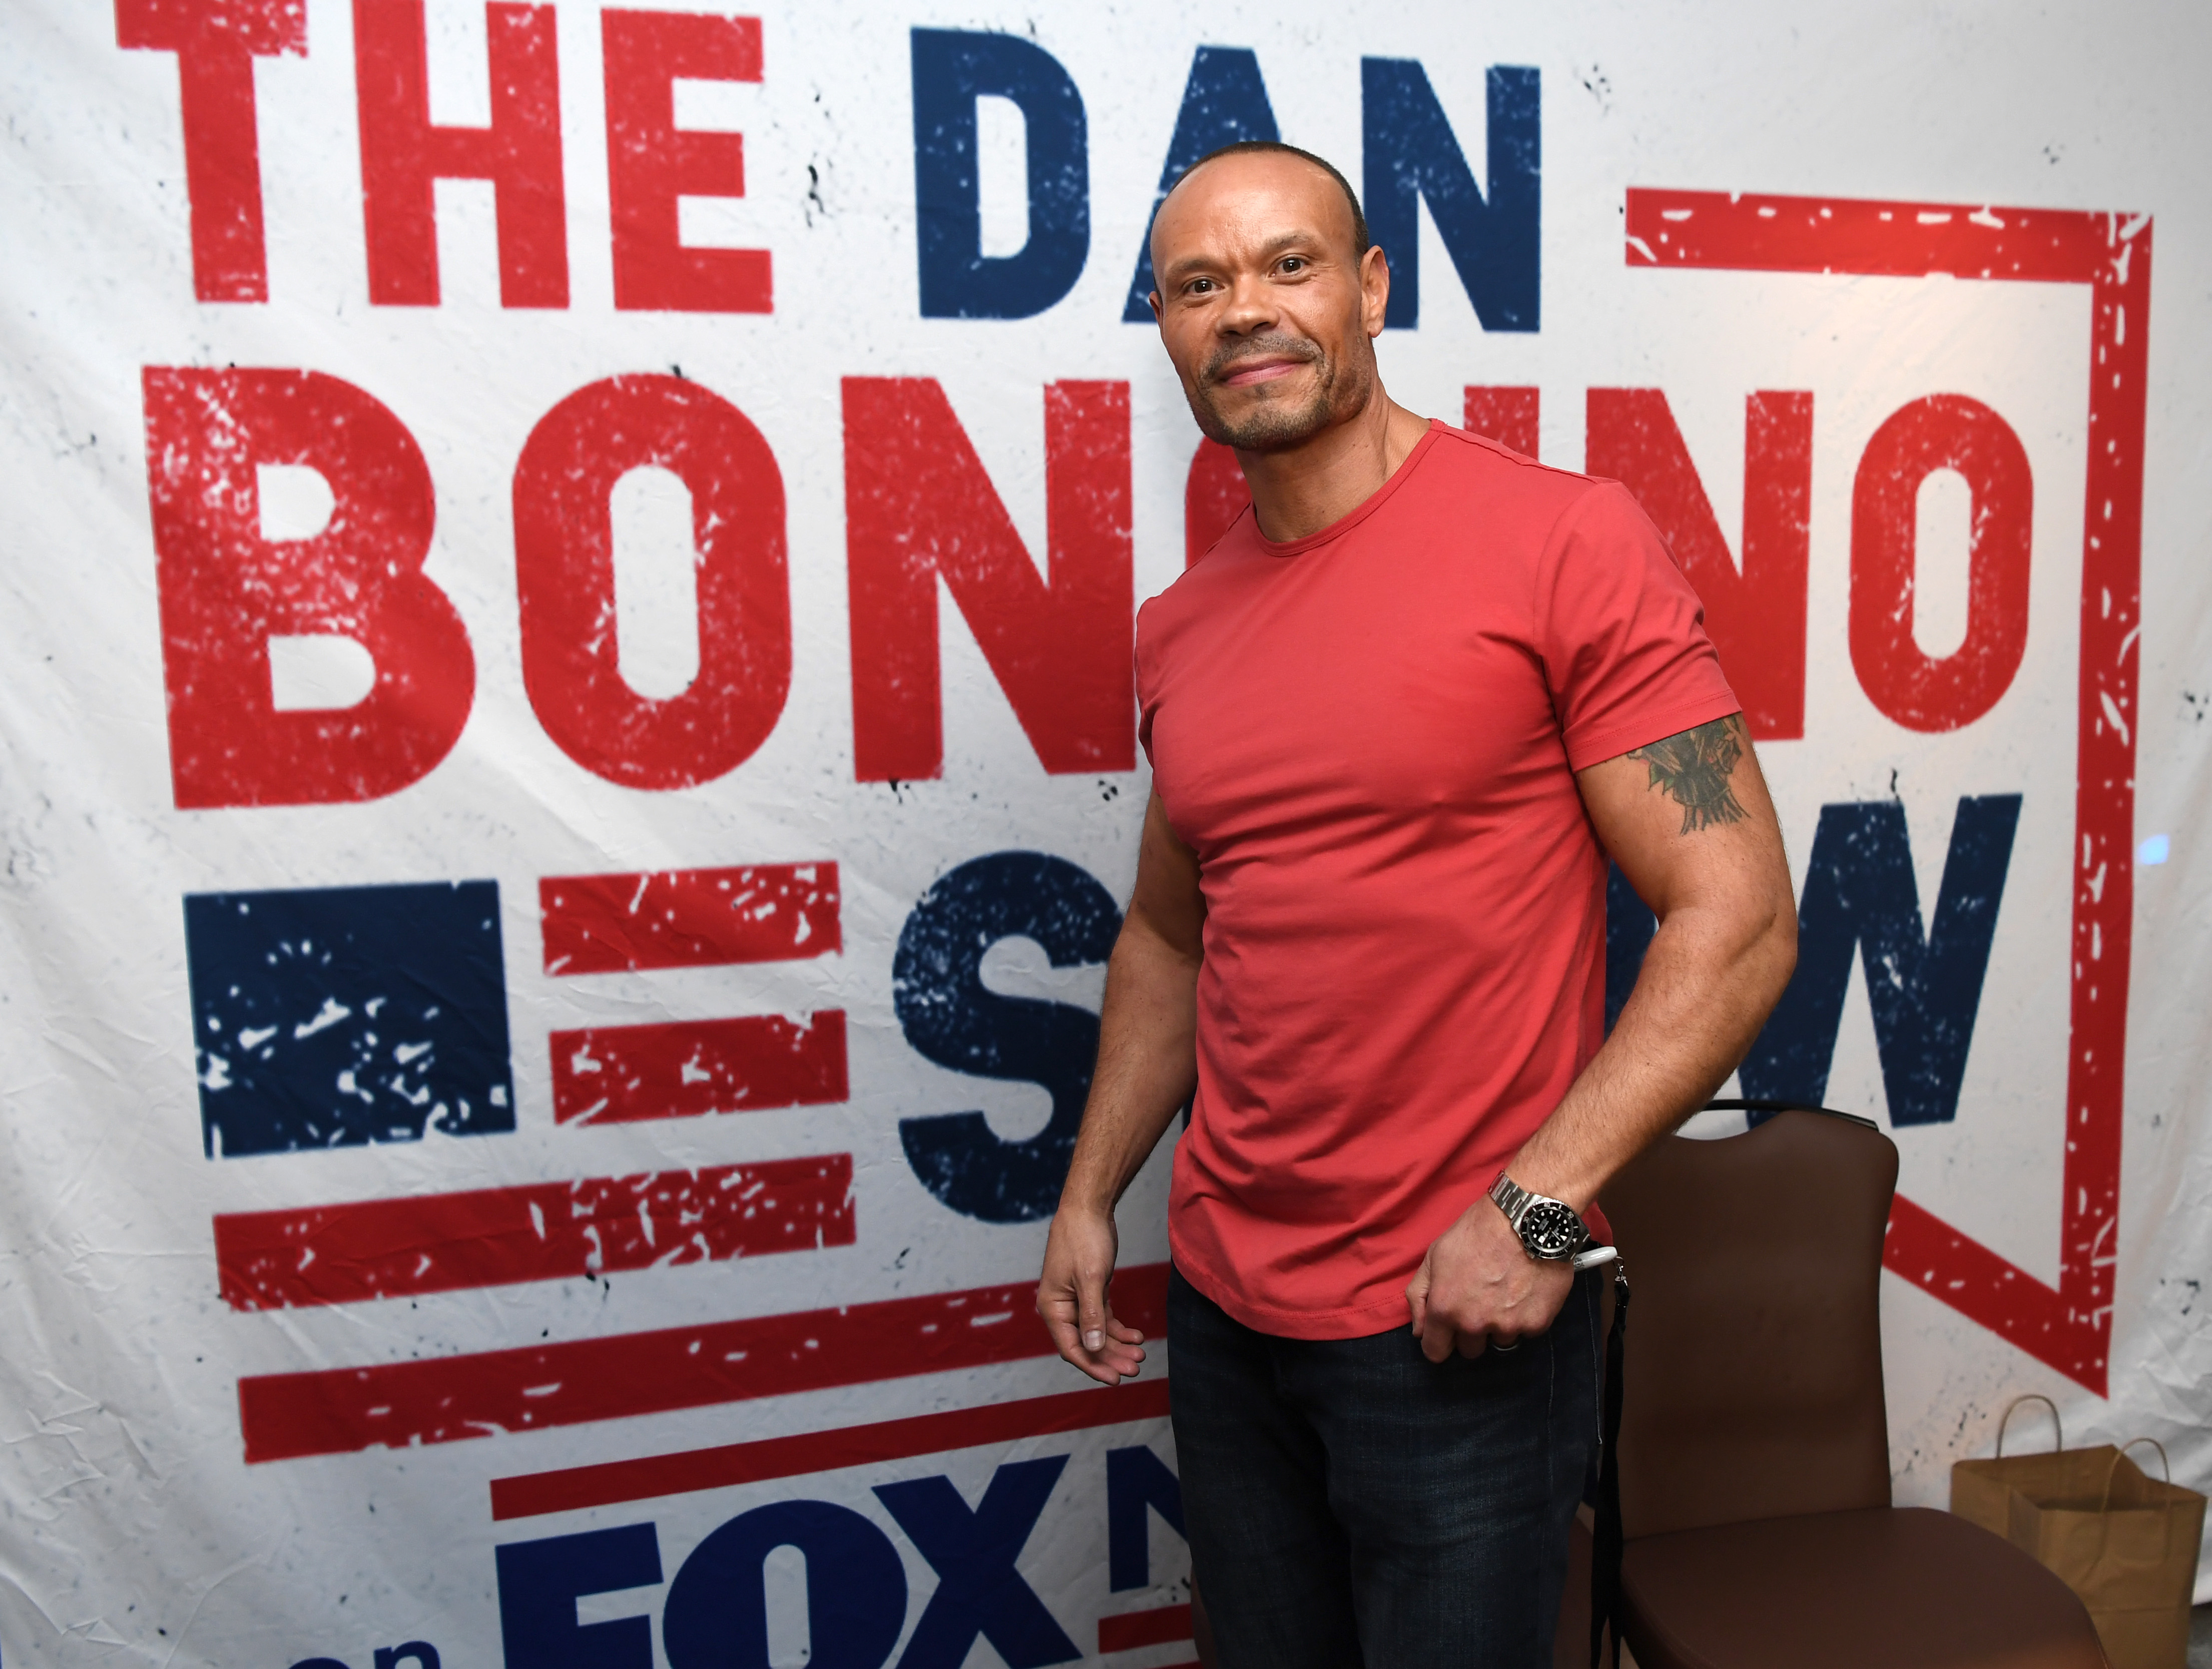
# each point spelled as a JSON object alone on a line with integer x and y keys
{"x": 1398, "y": 717}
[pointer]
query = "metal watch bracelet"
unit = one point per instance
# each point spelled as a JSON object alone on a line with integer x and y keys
{"x": 1550, "y": 1230}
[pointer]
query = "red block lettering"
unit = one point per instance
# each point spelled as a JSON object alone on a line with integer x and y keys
{"x": 1755, "y": 616}
{"x": 225, "y": 590}
{"x": 542, "y": 1231}
{"x": 682, "y": 1069}
{"x": 1941, "y": 432}
{"x": 402, "y": 154}
{"x": 215, "y": 42}
{"x": 651, "y": 161}
{"x": 565, "y": 576}
{"x": 918, "y": 506}
{"x": 1507, "y": 416}
{"x": 701, "y": 918}
{"x": 1214, "y": 495}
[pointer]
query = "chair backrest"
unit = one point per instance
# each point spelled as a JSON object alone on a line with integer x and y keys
{"x": 1753, "y": 1368}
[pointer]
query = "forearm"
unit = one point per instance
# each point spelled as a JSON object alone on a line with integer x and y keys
{"x": 1708, "y": 980}
{"x": 1147, "y": 1064}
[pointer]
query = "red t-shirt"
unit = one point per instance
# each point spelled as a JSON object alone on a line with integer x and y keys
{"x": 1368, "y": 737}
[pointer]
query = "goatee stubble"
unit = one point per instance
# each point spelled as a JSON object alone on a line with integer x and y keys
{"x": 1274, "y": 424}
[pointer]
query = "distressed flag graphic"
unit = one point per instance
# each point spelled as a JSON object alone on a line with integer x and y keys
{"x": 332, "y": 1017}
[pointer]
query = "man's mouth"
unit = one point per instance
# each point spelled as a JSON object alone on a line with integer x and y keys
{"x": 1246, "y": 373}
{"x": 1260, "y": 370}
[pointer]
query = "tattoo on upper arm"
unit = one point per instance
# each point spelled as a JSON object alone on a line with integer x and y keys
{"x": 1695, "y": 768}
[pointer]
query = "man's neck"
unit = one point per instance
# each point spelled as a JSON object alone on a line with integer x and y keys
{"x": 1303, "y": 490}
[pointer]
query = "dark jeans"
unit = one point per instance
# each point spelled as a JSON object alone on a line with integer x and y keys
{"x": 1349, "y": 1502}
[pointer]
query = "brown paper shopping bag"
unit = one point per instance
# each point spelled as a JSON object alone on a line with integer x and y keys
{"x": 2125, "y": 1542}
{"x": 1981, "y": 1490}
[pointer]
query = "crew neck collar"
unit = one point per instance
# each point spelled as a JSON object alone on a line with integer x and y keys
{"x": 1359, "y": 512}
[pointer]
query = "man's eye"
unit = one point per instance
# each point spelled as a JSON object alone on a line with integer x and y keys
{"x": 1199, "y": 286}
{"x": 1293, "y": 263}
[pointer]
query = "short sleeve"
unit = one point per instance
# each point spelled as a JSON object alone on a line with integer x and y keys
{"x": 1621, "y": 632}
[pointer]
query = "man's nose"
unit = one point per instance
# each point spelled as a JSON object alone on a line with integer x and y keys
{"x": 1251, "y": 305}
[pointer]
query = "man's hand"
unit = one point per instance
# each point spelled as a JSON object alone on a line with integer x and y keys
{"x": 1478, "y": 1284}
{"x": 1072, "y": 1297}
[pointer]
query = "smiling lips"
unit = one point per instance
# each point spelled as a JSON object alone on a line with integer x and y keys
{"x": 1263, "y": 361}
{"x": 1265, "y": 370}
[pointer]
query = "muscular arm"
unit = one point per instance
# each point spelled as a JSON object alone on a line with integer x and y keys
{"x": 1147, "y": 1064}
{"x": 1688, "y": 821}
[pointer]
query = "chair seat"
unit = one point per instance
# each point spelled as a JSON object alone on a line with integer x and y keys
{"x": 1902, "y": 1587}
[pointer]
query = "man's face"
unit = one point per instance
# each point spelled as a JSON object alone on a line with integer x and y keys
{"x": 1265, "y": 311}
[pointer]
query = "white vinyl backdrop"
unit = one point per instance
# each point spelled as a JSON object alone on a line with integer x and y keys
{"x": 132, "y": 1527}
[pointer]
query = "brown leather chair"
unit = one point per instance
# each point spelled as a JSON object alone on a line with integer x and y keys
{"x": 1754, "y": 1446}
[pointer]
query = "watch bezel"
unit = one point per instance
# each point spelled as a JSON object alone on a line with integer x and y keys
{"x": 1550, "y": 1229}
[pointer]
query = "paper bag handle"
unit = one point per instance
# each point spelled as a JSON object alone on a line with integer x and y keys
{"x": 2164, "y": 1464}
{"x": 2105, "y": 1508}
{"x": 2057, "y": 1430}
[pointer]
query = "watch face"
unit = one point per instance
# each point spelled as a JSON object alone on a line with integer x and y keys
{"x": 1551, "y": 1229}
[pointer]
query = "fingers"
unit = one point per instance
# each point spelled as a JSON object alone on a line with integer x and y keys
{"x": 1120, "y": 1356}
{"x": 1120, "y": 1360}
{"x": 1090, "y": 1307}
{"x": 1417, "y": 1297}
{"x": 1055, "y": 1307}
{"x": 1071, "y": 1300}
{"x": 1477, "y": 1290}
{"x": 1111, "y": 1368}
{"x": 1433, "y": 1331}
{"x": 1118, "y": 1353}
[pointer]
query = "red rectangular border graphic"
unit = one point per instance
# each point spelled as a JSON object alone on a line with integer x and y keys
{"x": 700, "y": 917}
{"x": 652, "y": 1476}
{"x": 543, "y": 1231}
{"x": 336, "y": 1410}
{"x": 2068, "y": 1328}
{"x": 684, "y": 1068}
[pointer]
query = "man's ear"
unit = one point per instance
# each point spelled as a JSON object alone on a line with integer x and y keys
{"x": 1374, "y": 289}
{"x": 1154, "y": 298}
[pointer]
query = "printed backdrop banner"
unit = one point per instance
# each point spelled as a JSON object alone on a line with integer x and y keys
{"x": 570, "y": 759}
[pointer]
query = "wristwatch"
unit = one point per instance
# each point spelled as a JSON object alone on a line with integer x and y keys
{"x": 1550, "y": 1230}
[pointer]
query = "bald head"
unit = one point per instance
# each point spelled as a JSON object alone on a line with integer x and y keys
{"x": 1355, "y": 219}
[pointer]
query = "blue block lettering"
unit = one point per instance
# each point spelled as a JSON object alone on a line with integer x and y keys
{"x": 1925, "y": 991}
{"x": 1136, "y": 1479}
{"x": 979, "y": 1591}
{"x": 540, "y": 1581}
{"x": 337, "y": 1016}
{"x": 1225, "y": 102}
{"x": 1411, "y": 153}
{"x": 1629, "y": 925}
{"x": 953, "y": 68}
{"x": 937, "y": 984}
{"x": 717, "y": 1612}
{"x": 421, "y": 1653}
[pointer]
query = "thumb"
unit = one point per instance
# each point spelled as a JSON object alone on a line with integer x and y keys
{"x": 1090, "y": 1307}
